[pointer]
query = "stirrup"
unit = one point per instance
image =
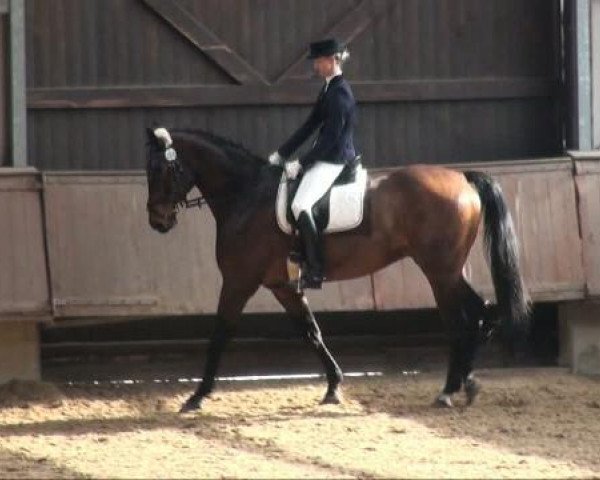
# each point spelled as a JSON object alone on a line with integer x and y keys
{"x": 302, "y": 283}
{"x": 311, "y": 281}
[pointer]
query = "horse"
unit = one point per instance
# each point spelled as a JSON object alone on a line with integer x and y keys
{"x": 428, "y": 213}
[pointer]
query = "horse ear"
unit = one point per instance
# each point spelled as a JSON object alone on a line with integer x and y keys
{"x": 150, "y": 133}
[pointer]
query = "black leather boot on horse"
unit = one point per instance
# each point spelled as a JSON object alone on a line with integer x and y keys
{"x": 428, "y": 213}
{"x": 311, "y": 239}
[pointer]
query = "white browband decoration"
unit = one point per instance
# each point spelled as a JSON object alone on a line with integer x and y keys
{"x": 164, "y": 136}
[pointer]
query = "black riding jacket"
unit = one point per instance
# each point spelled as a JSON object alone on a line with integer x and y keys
{"x": 335, "y": 114}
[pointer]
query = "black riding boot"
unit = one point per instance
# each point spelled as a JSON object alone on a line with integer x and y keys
{"x": 312, "y": 276}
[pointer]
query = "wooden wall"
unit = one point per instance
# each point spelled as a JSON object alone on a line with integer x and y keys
{"x": 78, "y": 245}
{"x": 437, "y": 81}
{"x": 106, "y": 261}
{"x": 587, "y": 168}
{"x": 24, "y": 288}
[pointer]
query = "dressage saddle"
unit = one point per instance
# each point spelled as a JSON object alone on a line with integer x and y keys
{"x": 320, "y": 210}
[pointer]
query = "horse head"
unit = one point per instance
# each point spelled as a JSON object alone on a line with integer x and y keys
{"x": 168, "y": 180}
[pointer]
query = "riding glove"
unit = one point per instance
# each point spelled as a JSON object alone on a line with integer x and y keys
{"x": 276, "y": 159}
{"x": 292, "y": 169}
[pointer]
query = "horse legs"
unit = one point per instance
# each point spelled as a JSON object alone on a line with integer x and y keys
{"x": 231, "y": 303}
{"x": 297, "y": 307}
{"x": 462, "y": 310}
{"x": 477, "y": 331}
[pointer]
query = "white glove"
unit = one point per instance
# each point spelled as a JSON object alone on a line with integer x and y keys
{"x": 292, "y": 169}
{"x": 275, "y": 159}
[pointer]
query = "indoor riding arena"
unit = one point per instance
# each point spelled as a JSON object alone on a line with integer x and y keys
{"x": 106, "y": 325}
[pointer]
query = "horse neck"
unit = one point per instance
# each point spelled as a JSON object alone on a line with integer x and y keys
{"x": 214, "y": 173}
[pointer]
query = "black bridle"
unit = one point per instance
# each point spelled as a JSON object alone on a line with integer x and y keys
{"x": 178, "y": 186}
{"x": 178, "y": 195}
{"x": 177, "y": 178}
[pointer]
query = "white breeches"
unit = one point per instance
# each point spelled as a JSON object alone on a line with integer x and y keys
{"x": 317, "y": 180}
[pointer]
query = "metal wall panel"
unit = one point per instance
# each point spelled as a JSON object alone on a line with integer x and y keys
{"x": 541, "y": 196}
{"x": 435, "y": 47}
{"x": 106, "y": 261}
{"x": 24, "y": 291}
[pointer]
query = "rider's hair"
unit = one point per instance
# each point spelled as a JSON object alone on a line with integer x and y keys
{"x": 342, "y": 57}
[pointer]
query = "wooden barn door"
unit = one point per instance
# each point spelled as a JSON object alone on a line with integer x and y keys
{"x": 437, "y": 81}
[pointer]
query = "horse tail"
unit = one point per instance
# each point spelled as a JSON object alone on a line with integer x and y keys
{"x": 502, "y": 250}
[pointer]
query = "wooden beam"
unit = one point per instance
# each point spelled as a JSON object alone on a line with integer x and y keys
{"x": 303, "y": 94}
{"x": 206, "y": 41}
{"x": 345, "y": 30}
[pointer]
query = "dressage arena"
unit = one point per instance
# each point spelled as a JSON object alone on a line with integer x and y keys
{"x": 102, "y": 319}
{"x": 527, "y": 423}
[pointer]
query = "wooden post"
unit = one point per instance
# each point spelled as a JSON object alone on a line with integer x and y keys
{"x": 595, "y": 47}
{"x": 19, "y": 351}
{"x": 578, "y": 78}
{"x": 17, "y": 81}
{"x": 5, "y": 158}
{"x": 580, "y": 337}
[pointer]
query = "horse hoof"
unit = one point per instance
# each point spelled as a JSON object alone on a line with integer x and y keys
{"x": 331, "y": 399}
{"x": 443, "y": 401}
{"x": 472, "y": 389}
{"x": 190, "y": 406}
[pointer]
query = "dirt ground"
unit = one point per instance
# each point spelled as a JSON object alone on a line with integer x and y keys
{"x": 527, "y": 423}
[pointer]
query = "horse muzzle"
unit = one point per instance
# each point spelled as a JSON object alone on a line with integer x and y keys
{"x": 162, "y": 223}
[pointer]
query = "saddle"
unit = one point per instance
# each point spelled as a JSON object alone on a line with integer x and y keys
{"x": 339, "y": 210}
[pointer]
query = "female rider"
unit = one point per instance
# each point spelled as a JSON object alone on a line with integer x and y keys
{"x": 335, "y": 115}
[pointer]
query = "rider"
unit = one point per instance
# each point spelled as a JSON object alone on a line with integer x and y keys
{"x": 335, "y": 115}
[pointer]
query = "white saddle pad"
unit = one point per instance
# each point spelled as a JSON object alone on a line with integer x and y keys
{"x": 345, "y": 204}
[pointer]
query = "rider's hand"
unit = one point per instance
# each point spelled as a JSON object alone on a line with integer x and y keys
{"x": 275, "y": 159}
{"x": 292, "y": 169}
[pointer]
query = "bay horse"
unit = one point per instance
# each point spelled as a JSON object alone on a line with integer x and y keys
{"x": 428, "y": 213}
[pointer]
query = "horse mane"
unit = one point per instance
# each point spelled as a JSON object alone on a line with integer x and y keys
{"x": 236, "y": 152}
{"x": 247, "y": 171}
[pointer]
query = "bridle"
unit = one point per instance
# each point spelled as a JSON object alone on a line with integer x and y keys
{"x": 198, "y": 201}
{"x": 177, "y": 171}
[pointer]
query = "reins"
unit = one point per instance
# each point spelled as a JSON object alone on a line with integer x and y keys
{"x": 201, "y": 200}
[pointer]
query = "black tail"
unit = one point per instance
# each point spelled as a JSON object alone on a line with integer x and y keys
{"x": 503, "y": 254}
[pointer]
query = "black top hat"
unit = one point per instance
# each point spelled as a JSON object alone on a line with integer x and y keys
{"x": 325, "y": 48}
